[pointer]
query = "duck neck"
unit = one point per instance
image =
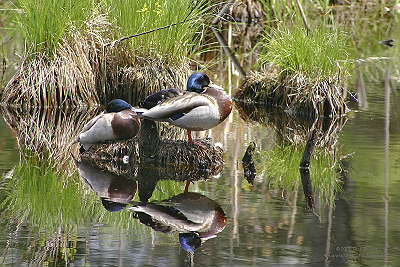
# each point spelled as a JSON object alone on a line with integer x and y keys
{"x": 223, "y": 100}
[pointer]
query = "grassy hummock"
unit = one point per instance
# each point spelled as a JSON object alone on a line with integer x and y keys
{"x": 301, "y": 72}
{"x": 68, "y": 63}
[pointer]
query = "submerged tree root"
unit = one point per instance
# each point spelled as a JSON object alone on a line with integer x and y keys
{"x": 295, "y": 93}
{"x": 83, "y": 71}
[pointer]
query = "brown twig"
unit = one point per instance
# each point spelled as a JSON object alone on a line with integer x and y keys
{"x": 303, "y": 15}
{"x": 113, "y": 43}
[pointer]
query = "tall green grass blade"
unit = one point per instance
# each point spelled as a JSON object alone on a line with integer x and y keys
{"x": 136, "y": 16}
{"x": 44, "y": 22}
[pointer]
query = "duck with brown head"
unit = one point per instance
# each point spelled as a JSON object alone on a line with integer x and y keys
{"x": 119, "y": 121}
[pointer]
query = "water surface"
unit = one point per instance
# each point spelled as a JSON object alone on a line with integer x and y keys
{"x": 52, "y": 219}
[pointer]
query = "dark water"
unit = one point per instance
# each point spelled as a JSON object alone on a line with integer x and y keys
{"x": 64, "y": 223}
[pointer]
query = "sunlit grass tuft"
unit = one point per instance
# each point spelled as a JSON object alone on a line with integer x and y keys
{"x": 320, "y": 54}
{"x": 44, "y": 23}
{"x": 137, "y": 16}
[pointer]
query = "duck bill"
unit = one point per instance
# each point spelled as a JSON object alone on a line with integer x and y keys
{"x": 213, "y": 85}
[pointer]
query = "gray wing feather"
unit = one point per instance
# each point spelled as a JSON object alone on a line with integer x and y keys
{"x": 180, "y": 104}
{"x": 91, "y": 122}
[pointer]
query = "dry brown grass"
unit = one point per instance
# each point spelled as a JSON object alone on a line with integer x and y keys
{"x": 295, "y": 93}
{"x": 83, "y": 71}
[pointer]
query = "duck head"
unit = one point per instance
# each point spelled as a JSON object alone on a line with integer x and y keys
{"x": 197, "y": 81}
{"x": 189, "y": 241}
{"x": 117, "y": 105}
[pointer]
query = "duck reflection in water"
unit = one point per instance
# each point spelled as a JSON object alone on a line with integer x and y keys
{"x": 195, "y": 217}
{"x": 115, "y": 191}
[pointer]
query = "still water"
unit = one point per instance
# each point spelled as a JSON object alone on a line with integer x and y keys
{"x": 52, "y": 216}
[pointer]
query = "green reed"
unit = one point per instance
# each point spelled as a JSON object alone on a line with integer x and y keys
{"x": 137, "y": 16}
{"x": 44, "y": 23}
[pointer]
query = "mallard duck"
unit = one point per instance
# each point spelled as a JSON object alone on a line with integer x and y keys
{"x": 119, "y": 121}
{"x": 196, "y": 217}
{"x": 115, "y": 191}
{"x": 202, "y": 107}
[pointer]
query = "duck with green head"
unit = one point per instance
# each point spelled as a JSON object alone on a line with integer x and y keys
{"x": 119, "y": 121}
{"x": 203, "y": 106}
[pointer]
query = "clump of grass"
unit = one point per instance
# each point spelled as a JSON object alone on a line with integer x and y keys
{"x": 44, "y": 23}
{"x": 136, "y": 16}
{"x": 302, "y": 72}
{"x": 82, "y": 72}
{"x": 319, "y": 55}
{"x": 70, "y": 65}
